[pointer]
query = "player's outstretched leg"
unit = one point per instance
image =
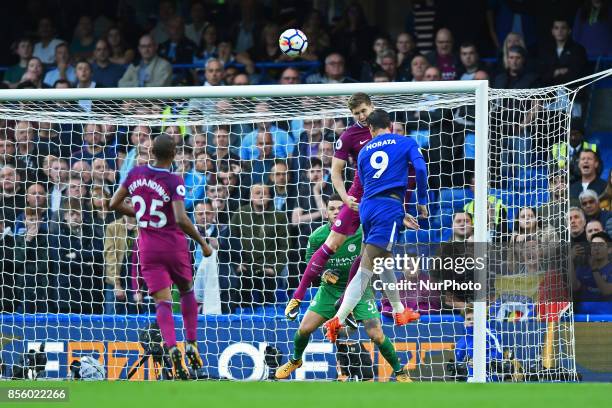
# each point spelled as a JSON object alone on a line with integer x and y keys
{"x": 375, "y": 333}
{"x": 313, "y": 269}
{"x": 309, "y": 324}
{"x": 165, "y": 321}
{"x": 189, "y": 310}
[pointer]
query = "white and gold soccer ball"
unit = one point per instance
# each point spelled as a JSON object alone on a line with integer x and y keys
{"x": 293, "y": 42}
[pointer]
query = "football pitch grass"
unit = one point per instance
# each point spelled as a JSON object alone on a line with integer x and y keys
{"x": 218, "y": 394}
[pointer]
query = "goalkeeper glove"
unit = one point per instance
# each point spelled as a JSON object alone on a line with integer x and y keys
{"x": 330, "y": 276}
{"x": 293, "y": 309}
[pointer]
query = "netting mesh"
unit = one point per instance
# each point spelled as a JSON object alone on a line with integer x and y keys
{"x": 257, "y": 175}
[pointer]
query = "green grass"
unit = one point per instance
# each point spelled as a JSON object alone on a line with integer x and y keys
{"x": 321, "y": 395}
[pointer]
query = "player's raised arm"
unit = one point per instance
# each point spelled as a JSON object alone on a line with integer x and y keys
{"x": 185, "y": 224}
{"x": 118, "y": 202}
{"x": 420, "y": 170}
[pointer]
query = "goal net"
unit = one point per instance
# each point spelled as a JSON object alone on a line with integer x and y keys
{"x": 257, "y": 167}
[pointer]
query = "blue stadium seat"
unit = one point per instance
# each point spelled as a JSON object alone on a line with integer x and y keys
{"x": 455, "y": 198}
{"x": 534, "y": 198}
{"x": 422, "y": 235}
{"x": 529, "y": 178}
{"x": 447, "y": 234}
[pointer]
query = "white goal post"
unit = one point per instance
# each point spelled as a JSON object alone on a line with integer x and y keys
{"x": 404, "y": 96}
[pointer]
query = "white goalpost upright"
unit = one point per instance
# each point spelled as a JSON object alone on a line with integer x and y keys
{"x": 434, "y": 113}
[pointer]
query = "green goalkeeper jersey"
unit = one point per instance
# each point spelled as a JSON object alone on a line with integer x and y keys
{"x": 344, "y": 256}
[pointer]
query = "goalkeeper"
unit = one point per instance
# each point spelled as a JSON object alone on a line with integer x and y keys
{"x": 333, "y": 283}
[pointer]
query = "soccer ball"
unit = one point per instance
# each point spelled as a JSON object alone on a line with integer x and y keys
{"x": 293, "y": 42}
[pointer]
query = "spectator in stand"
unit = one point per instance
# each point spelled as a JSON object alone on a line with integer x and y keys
{"x": 443, "y": 56}
{"x": 310, "y": 212}
{"x": 36, "y": 201}
{"x": 119, "y": 241}
{"x": 470, "y": 62}
{"x": 178, "y": 49}
{"x": 593, "y": 27}
{"x": 380, "y": 45}
{"x": 227, "y": 56}
{"x": 516, "y": 77}
{"x": 7, "y": 150}
{"x": 77, "y": 260}
{"x": 151, "y": 71}
{"x": 105, "y": 73}
{"x": 26, "y": 156}
{"x": 283, "y": 191}
{"x": 84, "y": 42}
{"x": 261, "y": 164}
{"x": 14, "y": 73}
{"x": 205, "y": 166}
{"x": 11, "y": 195}
{"x": 167, "y": 11}
{"x": 314, "y": 27}
{"x": 592, "y": 228}
{"x": 7, "y": 268}
{"x": 31, "y": 263}
{"x": 84, "y": 76}
{"x": 290, "y": 76}
{"x": 45, "y": 48}
{"x": 381, "y": 76}
{"x": 267, "y": 49}
{"x": 577, "y": 222}
{"x": 236, "y": 193}
{"x": 260, "y": 242}
{"x": 592, "y": 283}
{"x": 47, "y": 140}
{"x": 63, "y": 69}
{"x": 590, "y": 166}
{"x": 463, "y": 227}
{"x": 406, "y": 51}
{"x": 138, "y": 135}
{"x": 94, "y": 146}
{"x": 194, "y": 30}
{"x": 284, "y": 145}
{"x": 389, "y": 66}
{"x": 551, "y": 214}
{"x": 334, "y": 72}
{"x": 245, "y": 30}
{"x": 418, "y": 66}
{"x": 57, "y": 173}
{"x": 81, "y": 169}
{"x": 565, "y": 155}
{"x": 512, "y": 40}
{"x": 33, "y": 76}
{"x": 562, "y": 60}
{"x": 195, "y": 181}
{"x": 101, "y": 215}
{"x": 240, "y": 79}
{"x": 208, "y": 45}
{"x": 198, "y": 141}
{"x": 103, "y": 176}
{"x": 589, "y": 202}
{"x": 216, "y": 235}
{"x": 217, "y": 195}
{"x": 605, "y": 199}
{"x": 432, "y": 74}
{"x": 120, "y": 52}
{"x": 213, "y": 72}
{"x": 222, "y": 152}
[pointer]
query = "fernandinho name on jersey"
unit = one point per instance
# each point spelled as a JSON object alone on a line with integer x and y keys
{"x": 344, "y": 256}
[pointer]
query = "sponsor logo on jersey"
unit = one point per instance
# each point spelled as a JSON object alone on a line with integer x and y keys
{"x": 352, "y": 247}
{"x": 362, "y": 142}
{"x": 381, "y": 143}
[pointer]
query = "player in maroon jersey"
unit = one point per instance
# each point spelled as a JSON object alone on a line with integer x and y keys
{"x": 157, "y": 197}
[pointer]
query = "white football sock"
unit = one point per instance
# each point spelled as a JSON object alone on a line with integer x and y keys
{"x": 354, "y": 292}
{"x": 388, "y": 277}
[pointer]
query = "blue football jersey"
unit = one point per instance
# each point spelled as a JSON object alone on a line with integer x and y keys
{"x": 383, "y": 166}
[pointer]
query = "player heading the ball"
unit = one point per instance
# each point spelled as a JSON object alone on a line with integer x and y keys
{"x": 383, "y": 167}
{"x": 350, "y": 143}
{"x": 157, "y": 202}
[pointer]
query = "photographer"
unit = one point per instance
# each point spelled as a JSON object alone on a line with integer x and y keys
{"x": 464, "y": 349}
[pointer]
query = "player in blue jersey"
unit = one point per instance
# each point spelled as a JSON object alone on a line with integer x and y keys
{"x": 383, "y": 165}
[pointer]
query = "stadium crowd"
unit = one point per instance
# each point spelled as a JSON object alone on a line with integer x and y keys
{"x": 257, "y": 191}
